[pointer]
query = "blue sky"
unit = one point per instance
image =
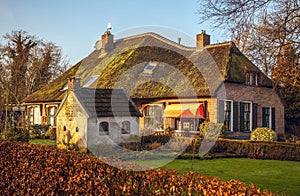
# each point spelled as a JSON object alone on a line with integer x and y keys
{"x": 75, "y": 25}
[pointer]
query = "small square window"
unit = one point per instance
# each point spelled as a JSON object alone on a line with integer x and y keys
{"x": 252, "y": 79}
{"x": 150, "y": 66}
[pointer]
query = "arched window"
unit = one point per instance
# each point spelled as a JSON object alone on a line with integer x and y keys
{"x": 104, "y": 128}
{"x": 125, "y": 127}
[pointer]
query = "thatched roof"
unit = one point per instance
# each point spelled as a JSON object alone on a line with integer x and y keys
{"x": 106, "y": 102}
{"x": 178, "y": 68}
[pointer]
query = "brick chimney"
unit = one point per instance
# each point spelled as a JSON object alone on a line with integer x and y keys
{"x": 202, "y": 40}
{"x": 107, "y": 41}
{"x": 74, "y": 84}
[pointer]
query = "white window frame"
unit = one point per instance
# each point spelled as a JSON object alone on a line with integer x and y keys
{"x": 31, "y": 116}
{"x": 231, "y": 113}
{"x": 252, "y": 79}
{"x": 51, "y": 116}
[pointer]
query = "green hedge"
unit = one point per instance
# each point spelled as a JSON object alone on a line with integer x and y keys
{"x": 239, "y": 148}
{"x": 254, "y": 149}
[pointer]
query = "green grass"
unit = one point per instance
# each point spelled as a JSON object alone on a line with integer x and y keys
{"x": 47, "y": 142}
{"x": 274, "y": 176}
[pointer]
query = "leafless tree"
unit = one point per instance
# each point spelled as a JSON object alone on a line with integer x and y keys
{"x": 260, "y": 28}
{"x": 27, "y": 64}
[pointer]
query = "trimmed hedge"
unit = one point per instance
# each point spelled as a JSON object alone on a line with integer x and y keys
{"x": 41, "y": 170}
{"x": 238, "y": 148}
{"x": 254, "y": 149}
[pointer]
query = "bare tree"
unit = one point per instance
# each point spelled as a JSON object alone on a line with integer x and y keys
{"x": 232, "y": 13}
{"x": 28, "y": 64}
{"x": 16, "y": 58}
{"x": 47, "y": 64}
{"x": 260, "y": 28}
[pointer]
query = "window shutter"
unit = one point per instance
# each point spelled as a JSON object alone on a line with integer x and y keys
{"x": 264, "y": 123}
{"x": 206, "y": 110}
{"x": 254, "y": 116}
{"x": 221, "y": 111}
{"x": 235, "y": 116}
{"x": 273, "y": 119}
{"x": 241, "y": 117}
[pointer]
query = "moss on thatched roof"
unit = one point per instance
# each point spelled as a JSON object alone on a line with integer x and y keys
{"x": 54, "y": 91}
{"x": 130, "y": 56}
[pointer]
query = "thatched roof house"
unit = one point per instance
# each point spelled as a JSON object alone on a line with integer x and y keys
{"x": 151, "y": 68}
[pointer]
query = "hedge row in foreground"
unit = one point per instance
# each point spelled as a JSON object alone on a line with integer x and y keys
{"x": 35, "y": 169}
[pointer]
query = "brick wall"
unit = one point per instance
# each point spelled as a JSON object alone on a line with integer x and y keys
{"x": 262, "y": 96}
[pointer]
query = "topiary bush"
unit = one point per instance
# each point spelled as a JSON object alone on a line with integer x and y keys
{"x": 263, "y": 134}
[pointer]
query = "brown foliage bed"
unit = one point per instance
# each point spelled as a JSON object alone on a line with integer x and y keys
{"x": 36, "y": 169}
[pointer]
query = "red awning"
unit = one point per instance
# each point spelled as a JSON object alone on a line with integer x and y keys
{"x": 200, "y": 113}
{"x": 184, "y": 111}
{"x": 187, "y": 114}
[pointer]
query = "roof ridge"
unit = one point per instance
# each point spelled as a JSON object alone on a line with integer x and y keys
{"x": 173, "y": 43}
{"x": 220, "y": 44}
{"x": 161, "y": 38}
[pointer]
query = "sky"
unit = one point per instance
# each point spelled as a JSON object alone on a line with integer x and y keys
{"x": 75, "y": 25}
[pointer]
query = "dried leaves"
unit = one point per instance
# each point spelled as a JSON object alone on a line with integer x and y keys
{"x": 35, "y": 169}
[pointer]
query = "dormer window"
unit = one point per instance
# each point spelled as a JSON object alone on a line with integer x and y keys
{"x": 252, "y": 79}
{"x": 90, "y": 81}
{"x": 148, "y": 69}
{"x": 66, "y": 86}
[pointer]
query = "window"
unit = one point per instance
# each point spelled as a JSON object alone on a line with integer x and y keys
{"x": 148, "y": 69}
{"x": 125, "y": 127}
{"x": 153, "y": 116}
{"x": 268, "y": 117}
{"x": 246, "y": 116}
{"x": 91, "y": 80}
{"x": 30, "y": 114}
{"x": 51, "y": 115}
{"x": 228, "y": 112}
{"x": 66, "y": 86}
{"x": 104, "y": 128}
{"x": 252, "y": 79}
{"x": 186, "y": 126}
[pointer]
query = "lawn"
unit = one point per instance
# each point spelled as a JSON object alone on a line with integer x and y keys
{"x": 272, "y": 175}
{"x": 47, "y": 142}
{"x": 275, "y": 176}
